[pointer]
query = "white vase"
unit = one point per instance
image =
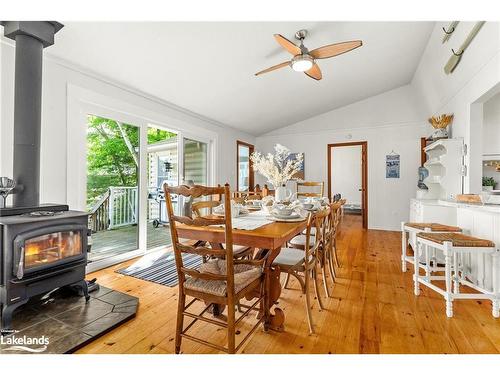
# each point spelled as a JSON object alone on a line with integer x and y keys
{"x": 282, "y": 194}
{"x": 439, "y": 133}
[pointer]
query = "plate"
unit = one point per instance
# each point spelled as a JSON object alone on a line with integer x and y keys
{"x": 293, "y": 216}
{"x": 287, "y": 220}
{"x": 221, "y": 214}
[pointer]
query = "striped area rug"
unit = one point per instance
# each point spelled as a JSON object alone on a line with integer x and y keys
{"x": 159, "y": 268}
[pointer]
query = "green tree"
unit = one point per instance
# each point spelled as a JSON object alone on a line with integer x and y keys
{"x": 112, "y": 152}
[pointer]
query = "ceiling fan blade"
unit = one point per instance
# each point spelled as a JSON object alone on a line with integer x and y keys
{"x": 335, "y": 49}
{"x": 286, "y": 44}
{"x": 314, "y": 72}
{"x": 282, "y": 65}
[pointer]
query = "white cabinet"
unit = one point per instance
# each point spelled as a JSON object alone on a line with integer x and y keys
{"x": 475, "y": 220}
{"x": 432, "y": 211}
{"x": 482, "y": 224}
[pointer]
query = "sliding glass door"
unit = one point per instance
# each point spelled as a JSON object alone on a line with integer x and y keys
{"x": 113, "y": 155}
{"x": 128, "y": 162}
{"x": 195, "y": 156}
{"x": 162, "y": 168}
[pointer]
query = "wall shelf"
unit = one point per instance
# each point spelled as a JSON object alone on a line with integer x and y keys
{"x": 444, "y": 163}
{"x": 433, "y": 161}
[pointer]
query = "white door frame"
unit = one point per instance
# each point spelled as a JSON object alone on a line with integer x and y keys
{"x": 82, "y": 102}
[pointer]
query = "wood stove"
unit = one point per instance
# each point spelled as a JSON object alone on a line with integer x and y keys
{"x": 43, "y": 247}
{"x": 41, "y": 251}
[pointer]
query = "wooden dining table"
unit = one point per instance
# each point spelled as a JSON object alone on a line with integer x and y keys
{"x": 268, "y": 240}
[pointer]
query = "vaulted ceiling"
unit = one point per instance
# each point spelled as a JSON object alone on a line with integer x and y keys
{"x": 208, "y": 68}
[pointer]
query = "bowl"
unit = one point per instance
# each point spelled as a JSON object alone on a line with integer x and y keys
{"x": 283, "y": 211}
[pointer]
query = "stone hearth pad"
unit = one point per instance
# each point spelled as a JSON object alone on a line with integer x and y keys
{"x": 68, "y": 322}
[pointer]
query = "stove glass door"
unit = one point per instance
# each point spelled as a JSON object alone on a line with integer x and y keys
{"x": 52, "y": 248}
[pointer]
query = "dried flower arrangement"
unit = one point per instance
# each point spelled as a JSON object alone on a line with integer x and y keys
{"x": 440, "y": 123}
{"x": 277, "y": 168}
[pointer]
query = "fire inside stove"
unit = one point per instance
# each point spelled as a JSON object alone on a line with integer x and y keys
{"x": 50, "y": 248}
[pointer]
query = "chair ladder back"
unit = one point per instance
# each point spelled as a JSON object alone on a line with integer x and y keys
{"x": 319, "y": 194}
{"x": 317, "y": 221}
{"x": 336, "y": 208}
{"x": 328, "y": 227}
{"x": 198, "y": 191}
{"x": 204, "y": 205}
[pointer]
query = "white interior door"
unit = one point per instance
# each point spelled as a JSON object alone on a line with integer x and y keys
{"x": 346, "y": 173}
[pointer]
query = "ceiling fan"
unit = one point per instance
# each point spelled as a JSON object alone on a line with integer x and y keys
{"x": 304, "y": 60}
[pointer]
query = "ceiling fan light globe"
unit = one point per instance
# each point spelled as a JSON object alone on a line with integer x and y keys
{"x": 302, "y": 63}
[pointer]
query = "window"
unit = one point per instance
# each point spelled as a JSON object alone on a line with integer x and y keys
{"x": 244, "y": 167}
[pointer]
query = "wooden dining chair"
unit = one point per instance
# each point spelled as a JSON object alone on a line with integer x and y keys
{"x": 246, "y": 195}
{"x": 302, "y": 264}
{"x": 299, "y": 242}
{"x": 202, "y": 208}
{"x": 330, "y": 239}
{"x": 222, "y": 281}
{"x": 337, "y": 216}
{"x": 309, "y": 185}
{"x": 342, "y": 204}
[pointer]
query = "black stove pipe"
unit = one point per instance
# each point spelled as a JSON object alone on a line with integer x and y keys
{"x": 31, "y": 38}
{"x": 27, "y": 119}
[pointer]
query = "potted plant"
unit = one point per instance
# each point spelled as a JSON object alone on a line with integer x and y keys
{"x": 278, "y": 169}
{"x": 488, "y": 183}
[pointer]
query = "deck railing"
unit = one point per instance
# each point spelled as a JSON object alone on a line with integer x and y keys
{"x": 99, "y": 214}
{"x": 118, "y": 207}
{"x": 123, "y": 206}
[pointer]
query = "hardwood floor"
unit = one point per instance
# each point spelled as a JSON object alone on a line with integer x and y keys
{"x": 373, "y": 310}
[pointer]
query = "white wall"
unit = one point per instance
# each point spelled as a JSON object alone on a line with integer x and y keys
{"x": 346, "y": 172}
{"x": 477, "y": 75}
{"x": 491, "y": 126}
{"x": 390, "y": 121}
{"x": 395, "y": 107}
{"x": 57, "y": 77}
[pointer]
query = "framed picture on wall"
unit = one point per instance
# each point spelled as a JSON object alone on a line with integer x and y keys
{"x": 300, "y": 175}
{"x": 392, "y": 166}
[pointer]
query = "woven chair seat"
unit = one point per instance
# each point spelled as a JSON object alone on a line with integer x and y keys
{"x": 457, "y": 239}
{"x": 434, "y": 227}
{"x": 244, "y": 275}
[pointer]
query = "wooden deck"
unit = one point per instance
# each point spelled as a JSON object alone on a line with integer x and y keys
{"x": 122, "y": 240}
{"x": 372, "y": 310}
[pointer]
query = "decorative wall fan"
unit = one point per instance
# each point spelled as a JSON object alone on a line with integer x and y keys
{"x": 304, "y": 60}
